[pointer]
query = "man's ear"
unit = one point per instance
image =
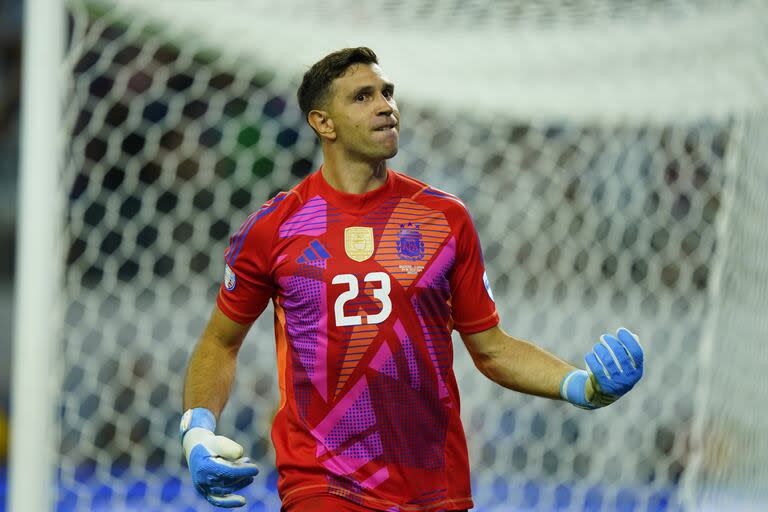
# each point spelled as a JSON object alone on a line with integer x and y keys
{"x": 321, "y": 122}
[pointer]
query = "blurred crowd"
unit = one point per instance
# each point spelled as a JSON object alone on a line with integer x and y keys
{"x": 10, "y": 71}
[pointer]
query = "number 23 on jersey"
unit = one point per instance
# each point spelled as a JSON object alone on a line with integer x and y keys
{"x": 380, "y": 293}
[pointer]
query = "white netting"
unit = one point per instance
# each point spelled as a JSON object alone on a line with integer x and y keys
{"x": 596, "y": 147}
{"x": 729, "y": 432}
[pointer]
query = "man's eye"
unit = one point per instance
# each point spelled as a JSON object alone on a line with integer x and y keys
{"x": 361, "y": 97}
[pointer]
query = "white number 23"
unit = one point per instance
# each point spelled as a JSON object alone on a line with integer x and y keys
{"x": 381, "y": 294}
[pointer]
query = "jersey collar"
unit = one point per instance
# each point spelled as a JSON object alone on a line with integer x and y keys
{"x": 354, "y": 204}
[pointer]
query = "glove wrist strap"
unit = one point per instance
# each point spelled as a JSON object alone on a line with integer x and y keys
{"x": 198, "y": 417}
{"x": 573, "y": 389}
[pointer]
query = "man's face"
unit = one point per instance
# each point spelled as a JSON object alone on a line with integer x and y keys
{"x": 364, "y": 113}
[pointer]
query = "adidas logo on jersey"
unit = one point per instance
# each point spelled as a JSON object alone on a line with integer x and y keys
{"x": 314, "y": 252}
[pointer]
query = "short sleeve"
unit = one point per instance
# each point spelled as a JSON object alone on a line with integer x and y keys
{"x": 247, "y": 284}
{"x": 472, "y": 305}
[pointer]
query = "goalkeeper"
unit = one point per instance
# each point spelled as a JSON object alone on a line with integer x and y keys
{"x": 369, "y": 271}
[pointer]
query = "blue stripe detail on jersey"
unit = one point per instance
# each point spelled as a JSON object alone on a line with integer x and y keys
{"x": 433, "y": 192}
{"x": 238, "y": 239}
{"x": 317, "y": 246}
{"x": 444, "y": 195}
{"x": 260, "y": 214}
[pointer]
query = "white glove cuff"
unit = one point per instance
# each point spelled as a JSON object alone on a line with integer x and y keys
{"x": 199, "y": 417}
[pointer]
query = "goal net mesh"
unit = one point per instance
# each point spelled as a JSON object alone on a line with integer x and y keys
{"x": 612, "y": 155}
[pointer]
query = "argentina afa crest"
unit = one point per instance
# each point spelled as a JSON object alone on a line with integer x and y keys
{"x": 409, "y": 244}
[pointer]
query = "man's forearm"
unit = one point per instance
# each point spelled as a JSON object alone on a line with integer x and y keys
{"x": 210, "y": 374}
{"x": 522, "y": 366}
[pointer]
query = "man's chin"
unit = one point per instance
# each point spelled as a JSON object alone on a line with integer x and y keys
{"x": 391, "y": 154}
{"x": 388, "y": 142}
{"x": 376, "y": 151}
{"x": 384, "y": 154}
{"x": 391, "y": 149}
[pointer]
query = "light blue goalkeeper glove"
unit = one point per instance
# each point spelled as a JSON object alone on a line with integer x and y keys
{"x": 217, "y": 464}
{"x": 614, "y": 366}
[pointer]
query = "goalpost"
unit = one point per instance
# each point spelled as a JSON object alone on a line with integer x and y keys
{"x": 39, "y": 270}
{"x": 613, "y": 156}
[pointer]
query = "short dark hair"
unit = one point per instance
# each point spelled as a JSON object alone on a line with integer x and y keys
{"x": 316, "y": 83}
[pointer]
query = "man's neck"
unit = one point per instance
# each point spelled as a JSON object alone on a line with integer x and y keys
{"x": 354, "y": 177}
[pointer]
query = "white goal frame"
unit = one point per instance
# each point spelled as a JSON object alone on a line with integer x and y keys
{"x": 38, "y": 267}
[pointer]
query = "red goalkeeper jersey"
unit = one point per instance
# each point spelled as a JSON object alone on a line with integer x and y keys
{"x": 366, "y": 289}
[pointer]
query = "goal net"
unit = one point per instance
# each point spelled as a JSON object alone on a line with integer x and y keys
{"x": 612, "y": 155}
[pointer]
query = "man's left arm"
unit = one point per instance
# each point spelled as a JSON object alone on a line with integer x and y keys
{"x": 614, "y": 366}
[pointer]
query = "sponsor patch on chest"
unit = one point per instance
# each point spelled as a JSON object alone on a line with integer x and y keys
{"x": 358, "y": 242}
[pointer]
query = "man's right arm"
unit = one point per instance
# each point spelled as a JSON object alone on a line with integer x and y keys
{"x": 217, "y": 465}
{"x": 211, "y": 368}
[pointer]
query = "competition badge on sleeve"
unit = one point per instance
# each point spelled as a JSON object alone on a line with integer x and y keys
{"x": 229, "y": 278}
{"x": 358, "y": 242}
{"x": 487, "y": 283}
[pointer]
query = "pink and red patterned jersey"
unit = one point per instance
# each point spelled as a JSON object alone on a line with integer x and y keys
{"x": 367, "y": 289}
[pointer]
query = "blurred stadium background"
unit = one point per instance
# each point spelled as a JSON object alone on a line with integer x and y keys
{"x": 612, "y": 154}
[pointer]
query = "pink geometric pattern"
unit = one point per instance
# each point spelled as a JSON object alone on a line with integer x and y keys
{"x": 307, "y": 325}
{"x": 310, "y": 220}
{"x": 376, "y": 479}
{"x": 356, "y": 456}
{"x": 351, "y": 416}
{"x": 384, "y": 361}
{"x": 410, "y": 355}
{"x": 435, "y": 276}
{"x": 432, "y": 341}
{"x": 429, "y": 302}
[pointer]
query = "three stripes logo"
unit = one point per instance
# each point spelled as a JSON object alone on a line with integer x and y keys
{"x": 314, "y": 252}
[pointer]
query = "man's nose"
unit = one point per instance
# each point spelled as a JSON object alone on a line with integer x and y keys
{"x": 384, "y": 105}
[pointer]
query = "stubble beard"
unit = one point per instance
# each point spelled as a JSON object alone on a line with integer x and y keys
{"x": 376, "y": 151}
